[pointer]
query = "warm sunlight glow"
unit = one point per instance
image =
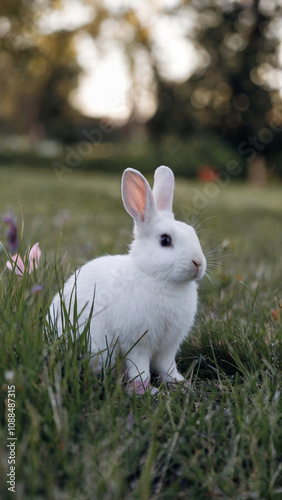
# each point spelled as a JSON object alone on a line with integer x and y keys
{"x": 107, "y": 88}
{"x": 104, "y": 87}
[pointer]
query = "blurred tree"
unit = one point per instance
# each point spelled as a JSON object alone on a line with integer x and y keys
{"x": 233, "y": 92}
{"x": 60, "y": 79}
{"x": 23, "y": 63}
{"x": 39, "y": 70}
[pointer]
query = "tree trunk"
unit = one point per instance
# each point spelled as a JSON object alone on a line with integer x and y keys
{"x": 257, "y": 175}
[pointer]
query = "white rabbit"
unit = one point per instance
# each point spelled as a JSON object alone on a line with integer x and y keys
{"x": 152, "y": 289}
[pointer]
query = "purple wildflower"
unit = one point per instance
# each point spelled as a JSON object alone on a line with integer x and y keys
{"x": 12, "y": 234}
{"x": 37, "y": 290}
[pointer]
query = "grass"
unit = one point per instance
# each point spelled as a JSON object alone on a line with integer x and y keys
{"x": 82, "y": 437}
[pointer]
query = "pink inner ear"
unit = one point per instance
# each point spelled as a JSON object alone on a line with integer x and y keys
{"x": 138, "y": 196}
{"x": 135, "y": 195}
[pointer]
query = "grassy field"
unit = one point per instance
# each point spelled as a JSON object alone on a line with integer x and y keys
{"x": 82, "y": 437}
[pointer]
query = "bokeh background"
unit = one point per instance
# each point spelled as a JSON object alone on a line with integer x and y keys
{"x": 104, "y": 84}
{"x": 87, "y": 89}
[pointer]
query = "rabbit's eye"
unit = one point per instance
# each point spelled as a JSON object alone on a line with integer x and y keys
{"x": 166, "y": 240}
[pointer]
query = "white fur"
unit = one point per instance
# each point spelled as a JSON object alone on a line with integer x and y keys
{"x": 153, "y": 289}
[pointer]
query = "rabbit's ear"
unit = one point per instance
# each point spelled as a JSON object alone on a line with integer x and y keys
{"x": 137, "y": 196}
{"x": 163, "y": 188}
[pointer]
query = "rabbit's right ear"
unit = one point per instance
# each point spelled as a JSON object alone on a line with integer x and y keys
{"x": 137, "y": 196}
{"x": 163, "y": 188}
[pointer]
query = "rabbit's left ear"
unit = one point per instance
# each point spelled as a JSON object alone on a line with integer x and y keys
{"x": 163, "y": 188}
{"x": 137, "y": 196}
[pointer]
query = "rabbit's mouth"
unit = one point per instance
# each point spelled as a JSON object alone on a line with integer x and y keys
{"x": 199, "y": 270}
{"x": 186, "y": 274}
{"x": 195, "y": 271}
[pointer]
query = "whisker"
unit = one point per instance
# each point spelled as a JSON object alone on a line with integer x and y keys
{"x": 218, "y": 262}
{"x": 220, "y": 257}
{"x": 197, "y": 220}
{"x": 196, "y": 216}
{"x": 224, "y": 270}
{"x": 200, "y": 224}
{"x": 218, "y": 254}
{"x": 212, "y": 250}
{"x": 219, "y": 266}
{"x": 212, "y": 279}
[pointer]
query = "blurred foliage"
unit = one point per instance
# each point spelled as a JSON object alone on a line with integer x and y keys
{"x": 229, "y": 91}
{"x": 39, "y": 70}
{"x": 233, "y": 92}
{"x": 185, "y": 157}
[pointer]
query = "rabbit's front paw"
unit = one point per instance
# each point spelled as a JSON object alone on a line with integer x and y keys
{"x": 138, "y": 386}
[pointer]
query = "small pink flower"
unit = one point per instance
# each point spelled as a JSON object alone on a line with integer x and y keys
{"x": 18, "y": 264}
{"x": 33, "y": 260}
{"x": 34, "y": 256}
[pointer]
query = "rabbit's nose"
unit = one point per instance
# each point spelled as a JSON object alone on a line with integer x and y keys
{"x": 196, "y": 263}
{"x": 199, "y": 266}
